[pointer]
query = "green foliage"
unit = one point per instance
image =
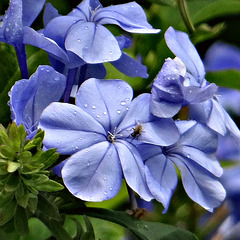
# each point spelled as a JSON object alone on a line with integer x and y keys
{"x": 24, "y": 176}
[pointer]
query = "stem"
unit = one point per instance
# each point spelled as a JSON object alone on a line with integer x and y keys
{"x": 185, "y": 15}
{"x": 70, "y": 81}
{"x": 22, "y": 60}
{"x": 82, "y": 76}
{"x": 132, "y": 198}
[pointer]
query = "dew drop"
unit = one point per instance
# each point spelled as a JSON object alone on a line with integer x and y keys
{"x": 110, "y": 189}
{"x": 79, "y": 40}
{"x": 86, "y": 151}
{"x": 105, "y": 179}
{"x": 93, "y": 107}
{"x": 98, "y": 116}
{"x": 118, "y": 86}
{"x": 118, "y": 111}
{"x": 104, "y": 113}
{"x": 88, "y": 163}
{"x": 75, "y": 113}
{"x": 123, "y": 103}
{"x": 86, "y": 27}
{"x": 188, "y": 156}
{"x": 110, "y": 53}
{"x": 86, "y": 47}
{"x": 105, "y": 193}
{"x": 85, "y": 105}
{"x": 77, "y": 147}
{"x": 80, "y": 139}
{"x": 56, "y": 78}
{"x": 7, "y": 29}
{"x": 127, "y": 108}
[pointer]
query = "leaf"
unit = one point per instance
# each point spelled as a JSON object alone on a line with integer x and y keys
{"x": 13, "y": 166}
{"x": 22, "y": 195}
{"x": 142, "y": 229}
{"x": 21, "y": 221}
{"x": 47, "y": 208}
{"x": 56, "y": 228}
{"x": 50, "y": 186}
{"x": 89, "y": 234}
{"x": 12, "y": 183}
{"x": 79, "y": 229}
{"x": 7, "y": 212}
{"x": 13, "y": 137}
{"x": 7, "y": 152}
{"x": 5, "y": 198}
{"x": 171, "y": 3}
{"x": 215, "y": 9}
{"x": 32, "y": 202}
{"x": 226, "y": 78}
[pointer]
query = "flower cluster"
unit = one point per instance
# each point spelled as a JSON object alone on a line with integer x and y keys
{"x": 108, "y": 135}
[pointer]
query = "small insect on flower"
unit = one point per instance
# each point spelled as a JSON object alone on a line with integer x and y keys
{"x": 137, "y": 131}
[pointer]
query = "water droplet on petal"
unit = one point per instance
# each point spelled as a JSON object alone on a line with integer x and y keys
{"x": 105, "y": 179}
{"x": 77, "y": 147}
{"x": 98, "y": 116}
{"x": 75, "y": 113}
{"x": 123, "y": 103}
{"x": 80, "y": 139}
{"x": 85, "y": 105}
{"x": 79, "y": 40}
{"x": 188, "y": 156}
{"x": 110, "y": 53}
{"x": 118, "y": 86}
{"x": 127, "y": 108}
{"x": 110, "y": 189}
{"x": 118, "y": 111}
{"x": 86, "y": 27}
{"x": 105, "y": 193}
{"x": 88, "y": 163}
{"x": 104, "y": 113}
{"x": 86, "y": 151}
{"x": 93, "y": 107}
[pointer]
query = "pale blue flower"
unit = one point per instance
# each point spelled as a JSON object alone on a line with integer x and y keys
{"x": 99, "y": 133}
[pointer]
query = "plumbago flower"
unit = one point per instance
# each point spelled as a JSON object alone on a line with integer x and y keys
{"x": 28, "y": 97}
{"x": 176, "y": 89}
{"x": 82, "y": 31}
{"x": 194, "y": 156}
{"x": 20, "y": 13}
{"x": 100, "y": 133}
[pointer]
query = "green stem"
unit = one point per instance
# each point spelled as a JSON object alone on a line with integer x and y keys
{"x": 185, "y": 15}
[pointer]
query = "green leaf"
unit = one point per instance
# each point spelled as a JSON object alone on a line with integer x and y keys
{"x": 5, "y": 198}
{"x": 50, "y": 186}
{"x": 226, "y": 78}
{"x": 12, "y": 183}
{"x": 56, "y": 228}
{"x": 37, "y": 230}
{"x": 7, "y": 152}
{"x": 13, "y": 137}
{"x": 171, "y": 3}
{"x": 215, "y": 9}
{"x": 89, "y": 233}
{"x": 47, "y": 208}
{"x": 22, "y": 195}
{"x": 142, "y": 229}
{"x": 79, "y": 229}
{"x": 21, "y": 221}
{"x": 12, "y": 166}
{"x": 7, "y": 212}
{"x": 3, "y": 168}
{"x": 32, "y": 202}
{"x": 4, "y": 139}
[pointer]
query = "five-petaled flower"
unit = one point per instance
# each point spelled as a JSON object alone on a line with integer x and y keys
{"x": 97, "y": 132}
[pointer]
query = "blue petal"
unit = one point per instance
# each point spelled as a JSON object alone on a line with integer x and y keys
{"x": 130, "y": 67}
{"x": 105, "y": 100}
{"x": 28, "y": 98}
{"x": 158, "y": 131}
{"x": 69, "y": 129}
{"x": 222, "y": 56}
{"x": 180, "y": 44}
{"x": 85, "y": 9}
{"x": 130, "y": 17}
{"x": 31, "y": 9}
{"x": 133, "y": 169}
{"x": 49, "y": 13}
{"x": 198, "y": 136}
{"x": 93, "y": 174}
{"x": 58, "y": 27}
{"x": 160, "y": 173}
{"x": 92, "y": 42}
{"x": 34, "y": 38}
{"x": 11, "y": 25}
{"x": 221, "y": 122}
{"x": 201, "y": 186}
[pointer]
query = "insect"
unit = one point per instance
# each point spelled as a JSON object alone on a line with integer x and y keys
{"x": 137, "y": 130}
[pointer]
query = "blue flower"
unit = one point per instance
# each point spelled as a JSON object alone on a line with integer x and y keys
{"x": 194, "y": 156}
{"x": 82, "y": 31}
{"x": 100, "y": 133}
{"x": 21, "y": 13}
{"x": 28, "y": 97}
{"x": 191, "y": 89}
